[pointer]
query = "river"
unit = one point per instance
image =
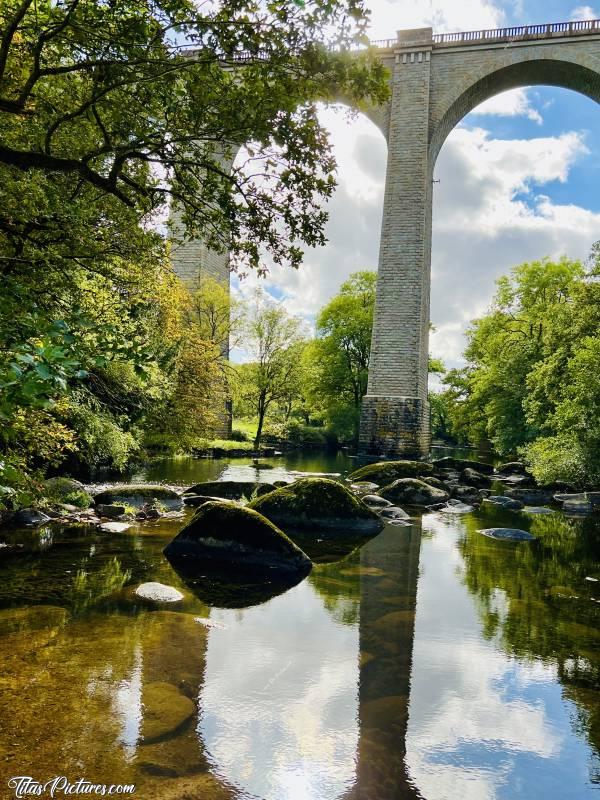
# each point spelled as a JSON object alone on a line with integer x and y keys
{"x": 433, "y": 662}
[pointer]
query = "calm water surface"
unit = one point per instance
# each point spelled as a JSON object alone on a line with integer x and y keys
{"x": 430, "y": 663}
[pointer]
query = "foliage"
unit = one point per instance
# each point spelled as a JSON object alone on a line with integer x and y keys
{"x": 274, "y": 340}
{"x": 532, "y": 377}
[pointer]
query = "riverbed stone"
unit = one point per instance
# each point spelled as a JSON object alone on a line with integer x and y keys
{"x": 230, "y": 490}
{"x": 30, "y": 518}
{"x": 533, "y": 497}
{"x": 159, "y": 592}
{"x": 318, "y": 504}
{"x": 197, "y": 500}
{"x": 384, "y": 472}
{"x": 474, "y": 478}
{"x": 413, "y": 492}
{"x": 138, "y": 495}
{"x": 114, "y": 527}
{"x": 109, "y": 511}
{"x": 233, "y": 539}
{"x": 537, "y": 510}
{"x": 460, "y": 464}
{"x": 393, "y": 513}
{"x": 501, "y": 501}
{"x": 374, "y": 501}
{"x": 512, "y": 468}
{"x": 364, "y": 487}
{"x": 466, "y": 494}
{"x": 165, "y": 710}
{"x": 456, "y": 507}
{"x": 439, "y": 484}
{"x": 579, "y": 506}
{"x": 507, "y": 534}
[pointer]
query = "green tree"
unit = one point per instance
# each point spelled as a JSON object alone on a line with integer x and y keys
{"x": 274, "y": 340}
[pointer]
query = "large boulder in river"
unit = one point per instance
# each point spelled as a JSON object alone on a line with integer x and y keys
{"x": 459, "y": 464}
{"x": 137, "y": 495}
{"x": 230, "y": 490}
{"x": 473, "y": 477}
{"x": 413, "y": 492}
{"x": 228, "y": 539}
{"x": 384, "y": 472}
{"x": 318, "y": 504}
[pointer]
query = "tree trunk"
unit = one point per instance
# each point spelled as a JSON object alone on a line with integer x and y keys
{"x": 261, "y": 418}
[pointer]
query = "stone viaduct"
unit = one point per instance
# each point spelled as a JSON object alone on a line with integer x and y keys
{"x": 435, "y": 80}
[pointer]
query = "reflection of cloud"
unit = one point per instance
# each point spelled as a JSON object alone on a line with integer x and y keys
{"x": 280, "y": 699}
{"x": 478, "y": 719}
{"x": 128, "y": 705}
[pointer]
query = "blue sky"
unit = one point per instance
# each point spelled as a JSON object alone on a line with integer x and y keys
{"x": 519, "y": 180}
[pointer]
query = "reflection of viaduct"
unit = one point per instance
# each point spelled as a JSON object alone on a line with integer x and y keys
{"x": 435, "y": 81}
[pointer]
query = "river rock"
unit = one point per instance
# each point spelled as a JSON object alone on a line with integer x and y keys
{"x": 318, "y": 504}
{"x": 474, "y": 478}
{"x": 393, "y": 513}
{"x": 114, "y": 527}
{"x": 537, "y": 510}
{"x": 512, "y": 468}
{"x": 158, "y": 592}
{"x": 230, "y": 490}
{"x": 507, "y": 534}
{"x": 443, "y": 485}
{"x": 413, "y": 492}
{"x": 165, "y": 710}
{"x": 504, "y": 502}
{"x": 384, "y": 472}
{"x": 230, "y": 539}
{"x": 374, "y": 501}
{"x": 533, "y": 497}
{"x": 577, "y": 506}
{"x": 197, "y": 500}
{"x": 109, "y": 511}
{"x": 466, "y": 494}
{"x": 364, "y": 487}
{"x": 138, "y": 495}
{"x": 460, "y": 464}
{"x": 30, "y": 518}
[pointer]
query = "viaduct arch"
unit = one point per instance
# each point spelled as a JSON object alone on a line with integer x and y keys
{"x": 435, "y": 80}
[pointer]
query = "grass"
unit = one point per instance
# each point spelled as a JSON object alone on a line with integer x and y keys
{"x": 224, "y": 444}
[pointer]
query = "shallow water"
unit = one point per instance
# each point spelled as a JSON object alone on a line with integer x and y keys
{"x": 432, "y": 662}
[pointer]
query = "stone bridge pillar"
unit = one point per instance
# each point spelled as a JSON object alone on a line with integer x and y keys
{"x": 395, "y": 412}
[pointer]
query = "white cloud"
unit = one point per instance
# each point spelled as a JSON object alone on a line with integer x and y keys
{"x": 583, "y": 12}
{"x": 515, "y": 103}
{"x": 388, "y": 16}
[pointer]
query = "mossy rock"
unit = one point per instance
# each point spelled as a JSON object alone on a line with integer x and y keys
{"x": 318, "y": 504}
{"x": 166, "y": 710}
{"x": 413, "y": 492}
{"x": 459, "y": 464}
{"x": 67, "y": 490}
{"x": 137, "y": 495}
{"x": 230, "y": 490}
{"x": 230, "y": 540}
{"x": 434, "y": 482}
{"x": 384, "y": 472}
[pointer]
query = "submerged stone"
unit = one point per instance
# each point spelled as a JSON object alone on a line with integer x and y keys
{"x": 114, "y": 527}
{"x": 138, "y": 495}
{"x": 318, "y": 503}
{"x": 413, "y": 492}
{"x": 232, "y": 539}
{"x": 504, "y": 502}
{"x": 158, "y": 592}
{"x": 165, "y": 710}
{"x": 460, "y": 464}
{"x": 230, "y": 490}
{"x": 507, "y": 534}
{"x": 384, "y": 472}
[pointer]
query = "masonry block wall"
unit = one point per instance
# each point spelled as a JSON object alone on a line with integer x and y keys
{"x": 434, "y": 85}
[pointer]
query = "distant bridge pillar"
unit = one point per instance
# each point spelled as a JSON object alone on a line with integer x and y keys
{"x": 395, "y": 411}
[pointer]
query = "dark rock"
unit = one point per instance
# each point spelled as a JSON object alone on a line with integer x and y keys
{"x": 197, "y": 500}
{"x": 461, "y": 464}
{"x": 443, "y": 485}
{"x": 318, "y": 504}
{"x": 485, "y": 493}
{"x": 138, "y": 495}
{"x": 230, "y": 490}
{"x": 474, "y": 478}
{"x": 533, "y": 497}
{"x": 504, "y": 502}
{"x": 512, "y": 468}
{"x": 413, "y": 492}
{"x": 507, "y": 534}
{"x": 392, "y": 513}
{"x": 466, "y": 494}
{"x": 374, "y": 501}
{"x": 30, "y": 518}
{"x": 384, "y": 472}
{"x": 111, "y": 512}
{"x": 231, "y": 539}
{"x": 577, "y": 506}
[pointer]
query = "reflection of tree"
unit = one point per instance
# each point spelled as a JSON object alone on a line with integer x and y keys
{"x": 90, "y": 586}
{"x": 534, "y": 598}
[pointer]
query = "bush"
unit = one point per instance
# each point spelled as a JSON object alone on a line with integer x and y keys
{"x": 562, "y": 458}
{"x": 79, "y": 498}
{"x": 239, "y": 436}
